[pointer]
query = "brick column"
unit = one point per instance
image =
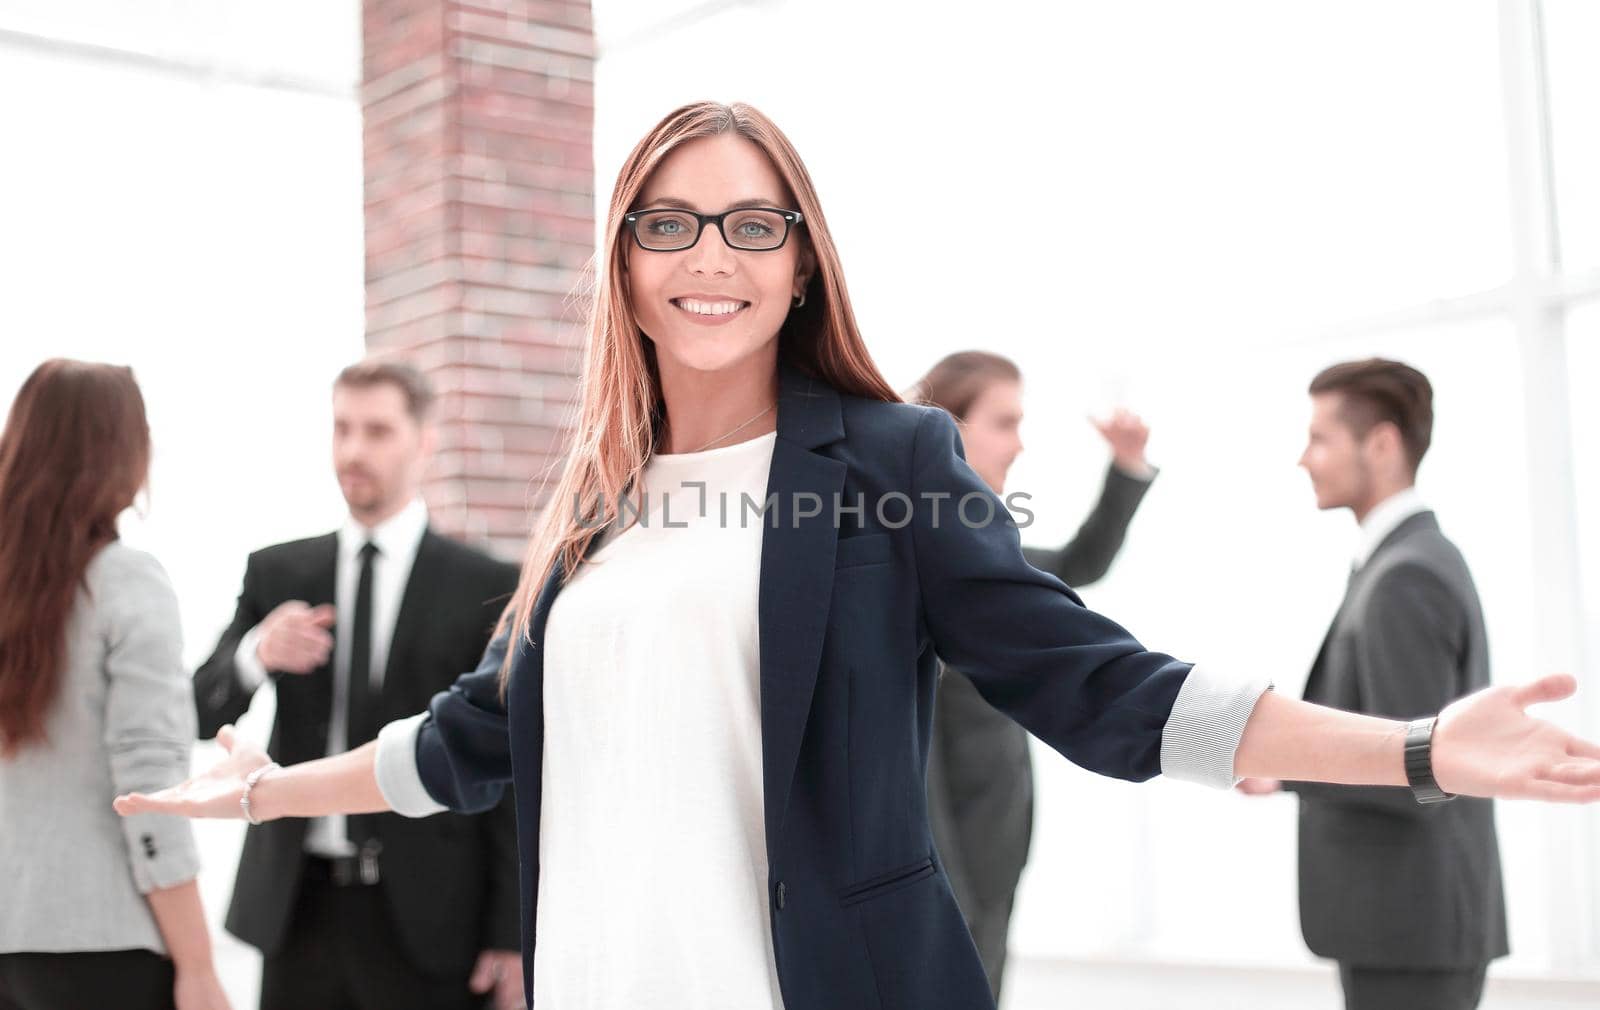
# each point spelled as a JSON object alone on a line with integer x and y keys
{"x": 477, "y": 125}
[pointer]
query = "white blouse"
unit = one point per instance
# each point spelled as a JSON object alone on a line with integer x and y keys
{"x": 652, "y": 845}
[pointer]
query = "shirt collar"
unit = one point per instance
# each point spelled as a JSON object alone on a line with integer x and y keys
{"x": 1384, "y": 520}
{"x": 396, "y": 536}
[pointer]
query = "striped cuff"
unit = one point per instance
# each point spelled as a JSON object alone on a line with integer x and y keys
{"x": 395, "y": 768}
{"x": 1202, "y": 733}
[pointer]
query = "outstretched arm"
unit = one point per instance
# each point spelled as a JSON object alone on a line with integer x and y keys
{"x": 343, "y": 784}
{"x": 455, "y": 756}
{"x": 1485, "y": 744}
{"x": 1085, "y": 686}
{"x": 1408, "y": 657}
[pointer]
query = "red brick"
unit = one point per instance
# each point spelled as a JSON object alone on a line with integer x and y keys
{"x": 479, "y": 196}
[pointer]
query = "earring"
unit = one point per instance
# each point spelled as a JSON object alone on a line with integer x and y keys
{"x": 800, "y": 302}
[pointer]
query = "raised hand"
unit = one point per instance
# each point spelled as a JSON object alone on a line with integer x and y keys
{"x": 1486, "y": 744}
{"x": 1127, "y": 437}
{"x": 214, "y": 793}
{"x": 295, "y": 637}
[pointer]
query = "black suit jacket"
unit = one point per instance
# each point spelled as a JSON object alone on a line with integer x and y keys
{"x": 1386, "y": 881}
{"x": 450, "y": 881}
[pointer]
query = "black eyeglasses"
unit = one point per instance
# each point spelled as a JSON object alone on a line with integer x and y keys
{"x": 758, "y": 229}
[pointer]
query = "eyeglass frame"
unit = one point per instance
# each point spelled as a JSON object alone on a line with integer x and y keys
{"x": 791, "y": 218}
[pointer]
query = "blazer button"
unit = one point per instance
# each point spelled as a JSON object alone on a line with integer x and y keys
{"x": 783, "y": 894}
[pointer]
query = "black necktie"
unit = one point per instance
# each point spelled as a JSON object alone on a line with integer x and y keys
{"x": 361, "y": 723}
{"x": 361, "y": 704}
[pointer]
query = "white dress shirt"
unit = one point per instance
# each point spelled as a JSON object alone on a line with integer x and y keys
{"x": 397, "y": 539}
{"x": 1384, "y": 520}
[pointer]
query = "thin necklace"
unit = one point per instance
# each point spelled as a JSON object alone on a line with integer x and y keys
{"x": 740, "y": 427}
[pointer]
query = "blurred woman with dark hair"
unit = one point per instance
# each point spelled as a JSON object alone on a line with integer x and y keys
{"x": 980, "y": 777}
{"x": 94, "y": 700}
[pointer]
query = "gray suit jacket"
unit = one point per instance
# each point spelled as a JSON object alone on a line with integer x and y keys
{"x": 76, "y": 873}
{"x": 1386, "y": 881}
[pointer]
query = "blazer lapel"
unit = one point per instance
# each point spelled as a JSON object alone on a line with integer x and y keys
{"x": 323, "y": 588}
{"x": 1425, "y": 520}
{"x": 408, "y": 621}
{"x": 1313, "y": 689}
{"x": 796, "y": 578}
{"x": 323, "y": 584}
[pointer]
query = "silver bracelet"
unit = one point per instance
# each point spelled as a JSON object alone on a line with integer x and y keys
{"x": 249, "y": 784}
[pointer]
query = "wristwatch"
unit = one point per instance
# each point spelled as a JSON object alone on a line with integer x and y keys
{"x": 1419, "y": 762}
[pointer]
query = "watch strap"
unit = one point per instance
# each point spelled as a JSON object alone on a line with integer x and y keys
{"x": 1419, "y": 762}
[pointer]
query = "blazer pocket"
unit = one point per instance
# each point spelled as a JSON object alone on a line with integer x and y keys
{"x": 867, "y": 549}
{"x": 887, "y": 883}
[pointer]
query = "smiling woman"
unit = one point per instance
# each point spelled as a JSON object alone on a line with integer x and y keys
{"x": 718, "y": 732}
{"x": 709, "y": 305}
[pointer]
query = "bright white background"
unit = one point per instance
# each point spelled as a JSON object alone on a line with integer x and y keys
{"x": 1185, "y": 208}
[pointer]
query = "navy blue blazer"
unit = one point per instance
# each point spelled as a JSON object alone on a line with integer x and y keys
{"x": 850, "y": 621}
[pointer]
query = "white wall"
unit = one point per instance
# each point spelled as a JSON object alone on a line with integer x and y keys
{"x": 181, "y": 192}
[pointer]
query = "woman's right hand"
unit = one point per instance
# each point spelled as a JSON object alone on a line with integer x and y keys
{"x": 199, "y": 989}
{"x": 214, "y": 793}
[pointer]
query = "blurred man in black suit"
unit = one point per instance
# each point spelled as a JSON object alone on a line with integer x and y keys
{"x": 357, "y": 628}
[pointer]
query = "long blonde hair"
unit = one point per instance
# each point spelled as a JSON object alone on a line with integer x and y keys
{"x": 620, "y": 404}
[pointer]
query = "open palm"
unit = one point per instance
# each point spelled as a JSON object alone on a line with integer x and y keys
{"x": 213, "y": 793}
{"x": 1486, "y": 744}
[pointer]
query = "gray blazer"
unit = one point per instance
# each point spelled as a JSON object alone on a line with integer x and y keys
{"x": 75, "y": 872}
{"x": 1384, "y": 880}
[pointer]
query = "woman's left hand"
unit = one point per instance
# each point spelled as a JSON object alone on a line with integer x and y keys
{"x": 1486, "y": 744}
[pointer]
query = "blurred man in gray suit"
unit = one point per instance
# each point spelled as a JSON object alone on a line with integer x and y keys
{"x": 1405, "y": 896}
